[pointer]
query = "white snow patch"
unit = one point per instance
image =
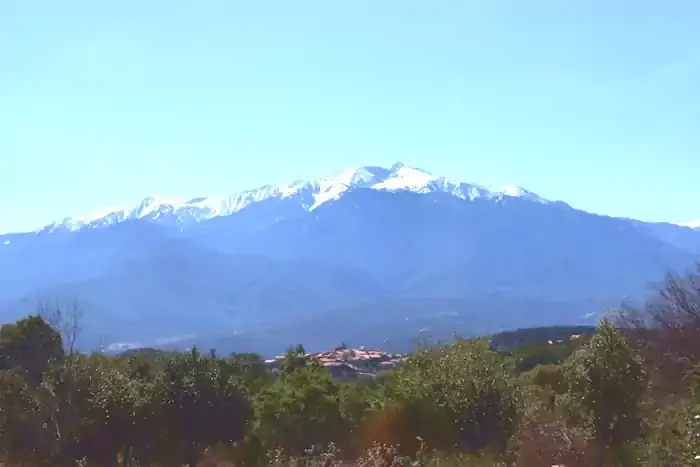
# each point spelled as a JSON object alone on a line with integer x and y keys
{"x": 312, "y": 195}
{"x": 121, "y": 346}
{"x": 406, "y": 178}
{"x": 691, "y": 224}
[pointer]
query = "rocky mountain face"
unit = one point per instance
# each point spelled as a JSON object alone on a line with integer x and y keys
{"x": 371, "y": 256}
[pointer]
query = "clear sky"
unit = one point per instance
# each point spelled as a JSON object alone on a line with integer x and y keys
{"x": 594, "y": 102}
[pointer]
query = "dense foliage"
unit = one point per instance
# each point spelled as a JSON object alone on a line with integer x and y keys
{"x": 581, "y": 400}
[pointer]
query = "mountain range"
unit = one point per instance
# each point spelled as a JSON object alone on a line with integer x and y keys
{"x": 369, "y": 256}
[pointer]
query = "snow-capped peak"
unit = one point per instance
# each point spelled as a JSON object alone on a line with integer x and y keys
{"x": 404, "y": 178}
{"x": 311, "y": 195}
{"x": 691, "y": 224}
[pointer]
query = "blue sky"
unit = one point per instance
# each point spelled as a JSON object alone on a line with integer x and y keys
{"x": 593, "y": 102}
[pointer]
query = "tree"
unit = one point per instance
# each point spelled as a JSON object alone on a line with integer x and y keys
{"x": 30, "y": 345}
{"x": 251, "y": 370}
{"x": 67, "y": 320}
{"x": 543, "y": 438}
{"x": 672, "y": 438}
{"x": 25, "y": 437}
{"x": 695, "y": 415}
{"x": 677, "y": 302}
{"x": 299, "y": 411}
{"x": 201, "y": 403}
{"x": 607, "y": 381}
{"x": 294, "y": 359}
{"x": 109, "y": 419}
{"x": 667, "y": 329}
{"x": 460, "y": 397}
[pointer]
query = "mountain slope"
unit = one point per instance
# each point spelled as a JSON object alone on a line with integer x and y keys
{"x": 397, "y": 325}
{"x": 369, "y": 252}
{"x": 437, "y": 245}
{"x": 32, "y": 260}
{"x": 681, "y": 235}
{"x": 177, "y": 288}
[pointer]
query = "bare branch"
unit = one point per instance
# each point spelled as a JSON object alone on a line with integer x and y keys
{"x": 66, "y": 320}
{"x": 677, "y": 303}
{"x": 667, "y": 329}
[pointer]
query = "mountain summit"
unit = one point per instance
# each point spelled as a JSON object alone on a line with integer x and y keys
{"x": 692, "y": 224}
{"x": 368, "y": 255}
{"x": 309, "y": 195}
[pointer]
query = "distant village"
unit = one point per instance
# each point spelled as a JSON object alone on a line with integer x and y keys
{"x": 347, "y": 363}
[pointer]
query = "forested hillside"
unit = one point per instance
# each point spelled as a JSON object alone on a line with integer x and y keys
{"x": 625, "y": 395}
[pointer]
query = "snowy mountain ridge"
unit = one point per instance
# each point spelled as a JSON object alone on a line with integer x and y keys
{"x": 311, "y": 195}
{"x": 401, "y": 250}
{"x": 691, "y": 224}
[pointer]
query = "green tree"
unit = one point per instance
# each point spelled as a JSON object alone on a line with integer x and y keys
{"x": 299, "y": 411}
{"x": 25, "y": 435}
{"x": 672, "y": 438}
{"x": 461, "y": 397}
{"x": 251, "y": 370}
{"x": 294, "y": 359}
{"x": 607, "y": 381}
{"x": 201, "y": 403}
{"x": 91, "y": 409}
{"x": 112, "y": 397}
{"x": 30, "y": 345}
{"x": 695, "y": 415}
